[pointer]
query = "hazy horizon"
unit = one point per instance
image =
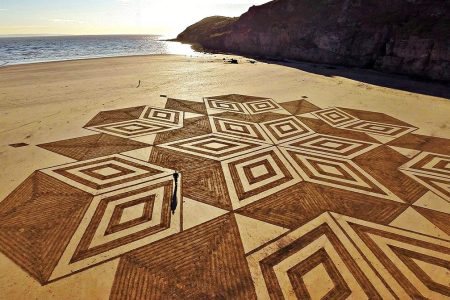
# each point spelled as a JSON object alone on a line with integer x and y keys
{"x": 113, "y": 17}
{"x": 76, "y": 35}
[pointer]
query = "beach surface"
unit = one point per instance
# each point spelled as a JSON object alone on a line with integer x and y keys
{"x": 48, "y": 102}
{"x": 45, "y": 102}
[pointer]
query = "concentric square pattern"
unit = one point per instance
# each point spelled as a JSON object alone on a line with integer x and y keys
{"x": 330, "y": 145}
{"x": 239, "y": 129}
{"x": 223, "y": 105}
{"x": 131, "y": 129}
{"x": 118, "y": 222}
{"x": 286, "y": 129}
{"x": 336, "y": 172}
{"x": 150, "y": 122}
{"x": 335, "y": 116}
{"x": 165, "y": 116}
{"x": 214, "y": 146}
{"x": 262, "y": 106}
{"x": 257, "y": 175}
{"x": 389, "y": 130}
{"x": 105, "y": 174}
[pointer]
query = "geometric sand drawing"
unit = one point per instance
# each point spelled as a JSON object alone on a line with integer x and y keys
{"x": 261, "y": 106}
{"x": 389, "y": 130}
{"x": 214, "y": 146}
{"x": 327, "y": 252}
{"x": 285, "y": 129}
{"x": 318, "y": 253}
{"x": 239, "y": 129}
{"x": 256, "y": 175}
{"x": 130, "y": 129}
{"x": 167, "y": 116}
{"x": 274, "y": 201}
{"x": 222, "y": 105}
{"x": 336, "y": 172}
{"x": 107, "y": 231}
{"x": 330, "y": 145}
{"x": 335, "y": 116}
{"x": 104, "y": 174}
{"x": 432, "y": 170}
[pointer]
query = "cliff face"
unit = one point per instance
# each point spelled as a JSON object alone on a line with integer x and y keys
{"x": 209, "y": 31}
{"x": 402, "y": 36}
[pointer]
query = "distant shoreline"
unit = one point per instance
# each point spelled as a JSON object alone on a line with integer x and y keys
{"x": 8, "y": 65}
{"x": 4, "y": 65}
{"x": 73, "y": 35}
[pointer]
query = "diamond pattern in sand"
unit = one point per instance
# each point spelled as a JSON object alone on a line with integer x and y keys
{"x": 223, "y": 105}
{"x": 165, "y": 116}
{"x": 215, "y": 146}
{"x": 100, "y": 175}
{"x": 131, "y": 129}
{"x": 383, "y": 129}
{"x": 331, "y": 145}
{"x": 257, "y": 175}
{"x": 270, "y": 204}
{"x": 336, "y": 172}
{"x": 335, "y": 116}
{"x": 262, "y": 106}
{"x": 239, "y": 129}
{"x": 118, "y": 222}
{"x": 285, "y": 129}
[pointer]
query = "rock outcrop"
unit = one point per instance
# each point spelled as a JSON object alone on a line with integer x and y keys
{"x": 409, "y": 37}
{"x": 208, "y": 31}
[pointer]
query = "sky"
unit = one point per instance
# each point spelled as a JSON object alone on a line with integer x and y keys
{"x": 166, "y": 17}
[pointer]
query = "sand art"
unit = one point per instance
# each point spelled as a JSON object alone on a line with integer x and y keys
{"x": 276, "y": 200}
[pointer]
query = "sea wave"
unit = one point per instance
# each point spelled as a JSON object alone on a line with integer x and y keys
{"x": 20, "y": 50}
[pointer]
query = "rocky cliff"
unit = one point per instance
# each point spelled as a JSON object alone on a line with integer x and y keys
{"x": 401, "y": 36}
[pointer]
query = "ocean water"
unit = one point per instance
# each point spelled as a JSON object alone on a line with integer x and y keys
{"x": 22, "y": 50}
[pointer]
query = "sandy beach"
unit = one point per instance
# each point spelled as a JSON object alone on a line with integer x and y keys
{"x": 45, "y": 102}
{"x": 49, "y": 102}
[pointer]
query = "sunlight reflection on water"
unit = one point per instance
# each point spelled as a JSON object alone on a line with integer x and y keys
{"x": 179, "y": 48}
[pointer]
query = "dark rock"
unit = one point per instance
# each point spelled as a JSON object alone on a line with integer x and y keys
{"x": 402, "y": 36}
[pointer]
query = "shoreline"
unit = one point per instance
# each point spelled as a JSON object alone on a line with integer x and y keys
{"x": 7, "y": 65}
{"x": 69, "y": 48}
